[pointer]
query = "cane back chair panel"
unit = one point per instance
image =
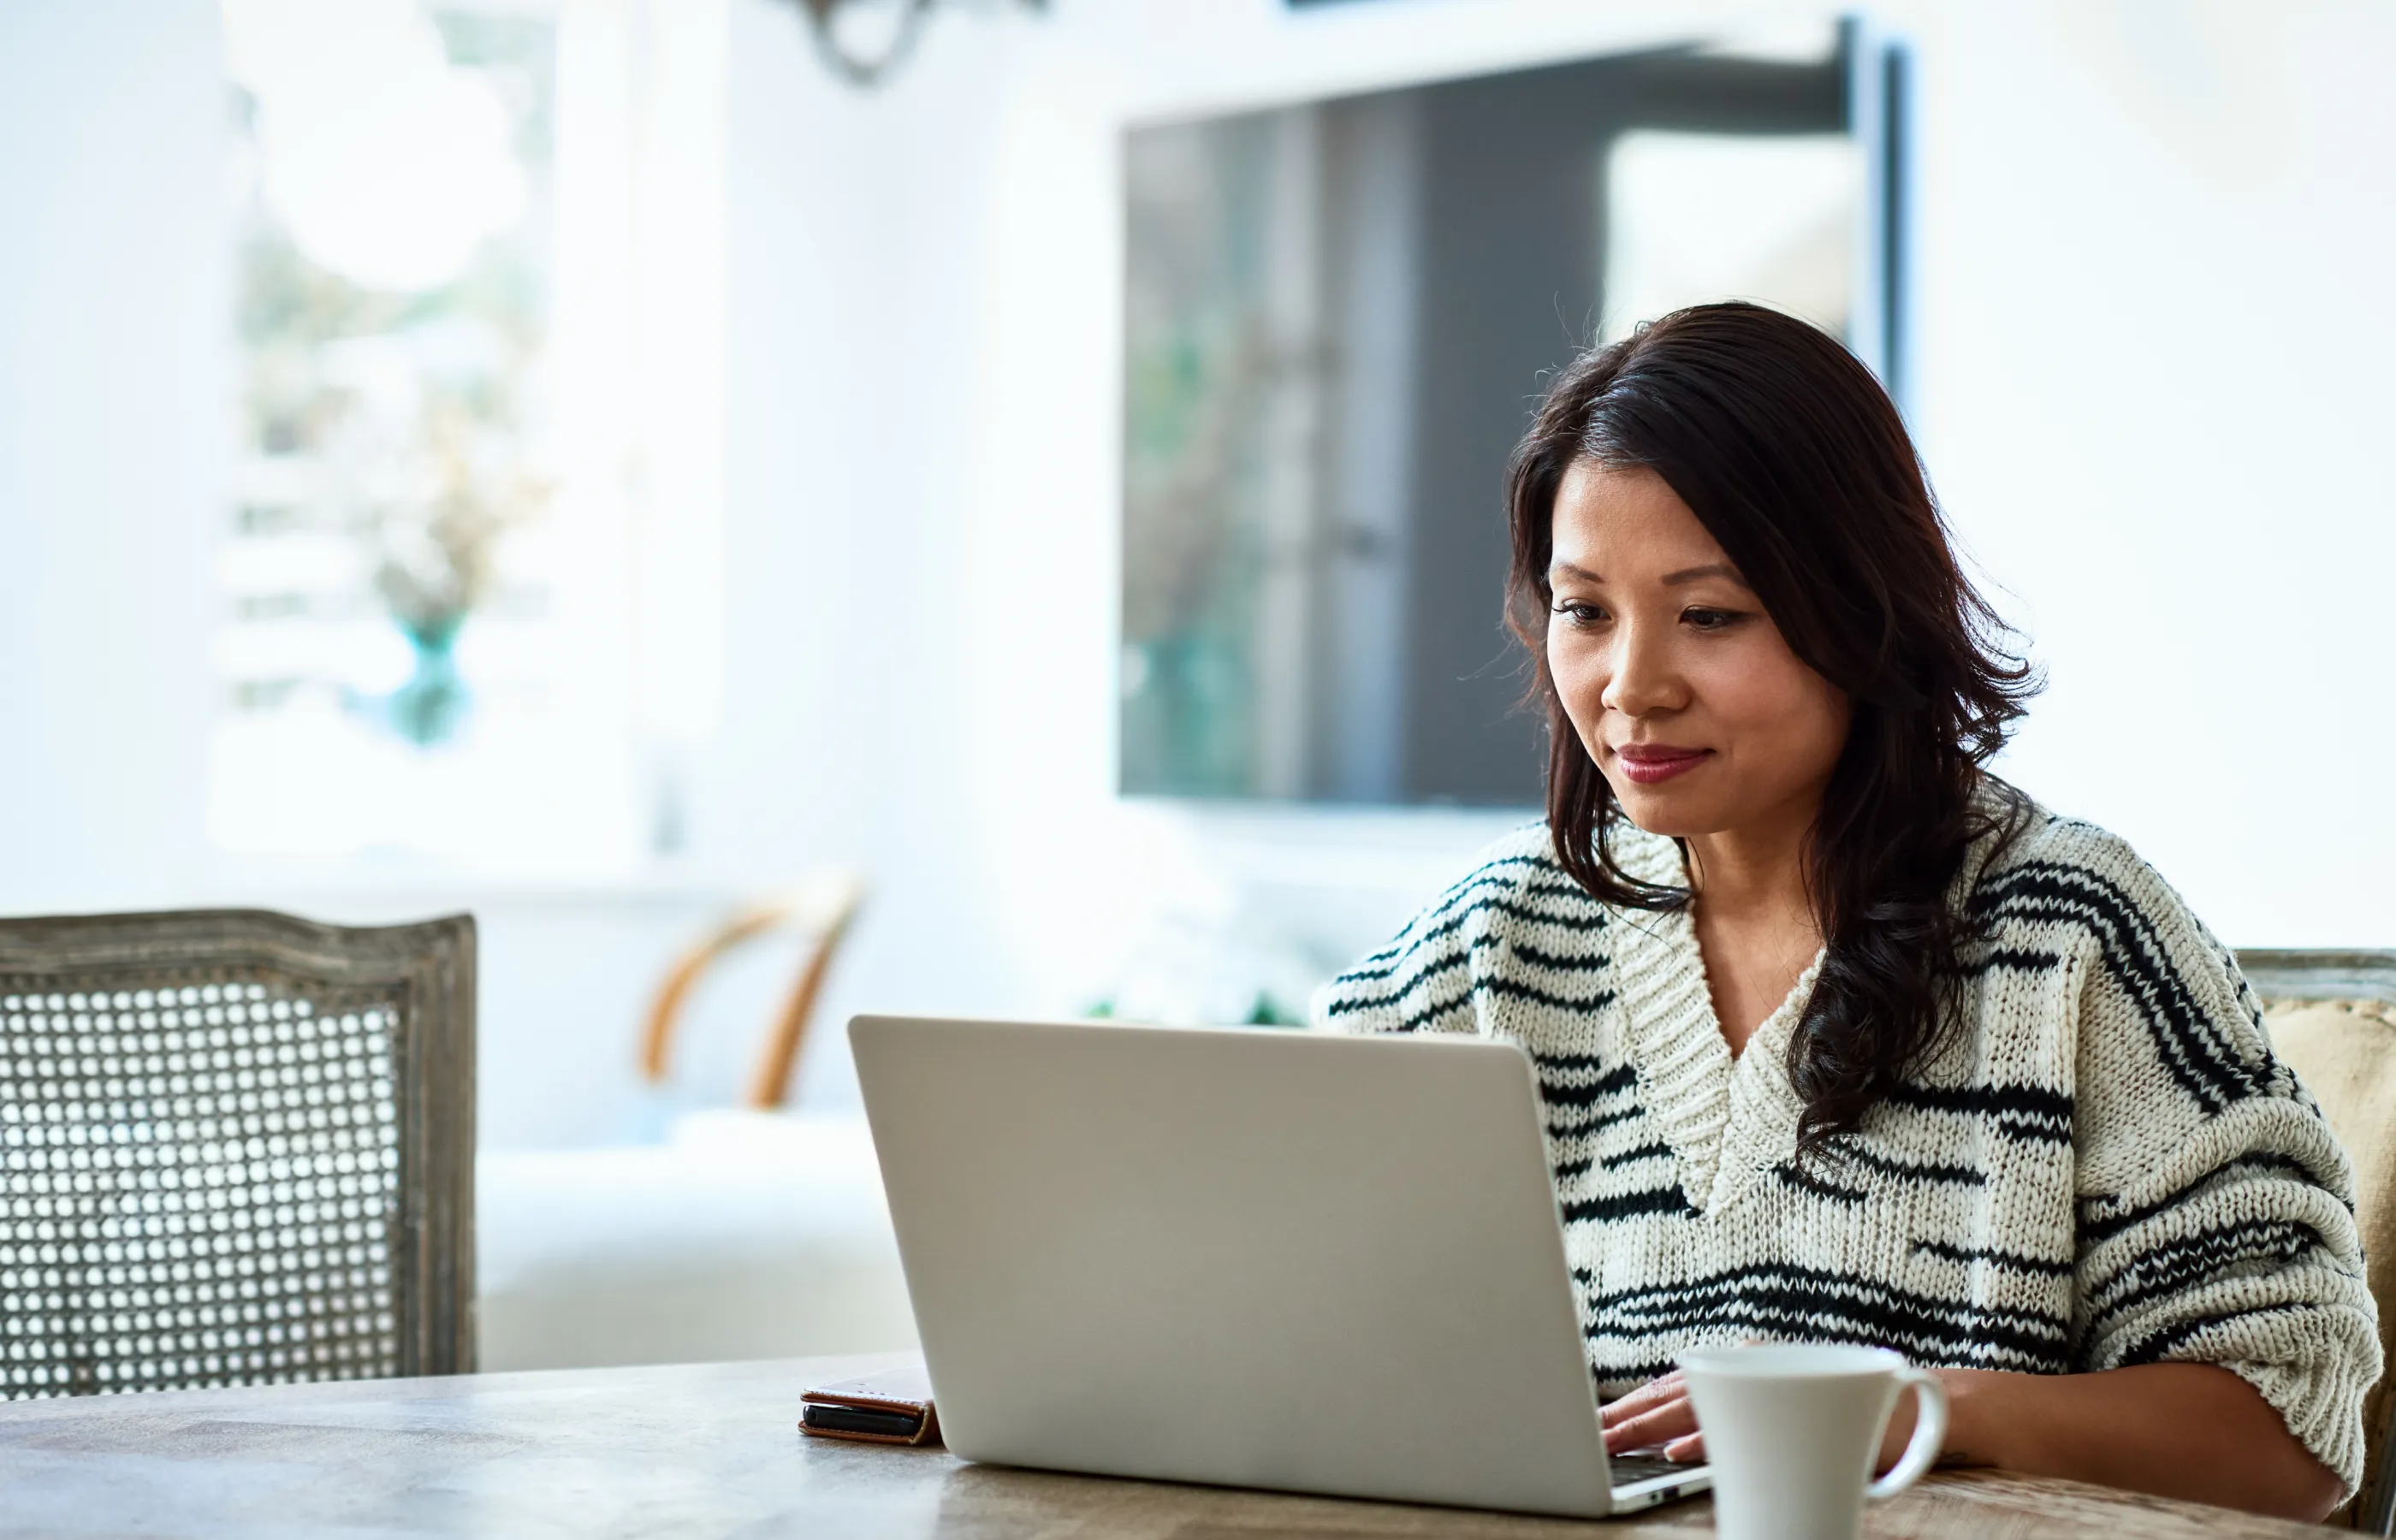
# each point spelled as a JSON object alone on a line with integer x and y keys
{"x": 2333, "y": 1019}
{"x": 236, "y": 1148}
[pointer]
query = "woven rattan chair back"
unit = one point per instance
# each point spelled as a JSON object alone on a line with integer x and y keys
{"x": 2333, "y": 1020}
{"x": 235, "y": 1149}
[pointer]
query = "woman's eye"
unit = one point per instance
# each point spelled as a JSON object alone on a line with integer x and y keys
{"x": 1710, "y": 619}
{"x": 1578, "y": 613}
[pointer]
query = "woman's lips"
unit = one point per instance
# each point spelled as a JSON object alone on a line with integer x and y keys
{"x": 1648, "y": 763}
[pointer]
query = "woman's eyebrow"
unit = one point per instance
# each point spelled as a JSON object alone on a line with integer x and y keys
{"x": 1671, "y": 579}
{"x": 1695, "y": 574}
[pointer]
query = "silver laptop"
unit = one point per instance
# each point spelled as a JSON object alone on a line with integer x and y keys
{"x": 1247, "y": 1257}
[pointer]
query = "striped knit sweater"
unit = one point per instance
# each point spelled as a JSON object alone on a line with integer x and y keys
{"x": 2106, "y": 1167}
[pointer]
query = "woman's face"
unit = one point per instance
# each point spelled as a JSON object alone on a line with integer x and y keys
{"x": 1681, "y": 687}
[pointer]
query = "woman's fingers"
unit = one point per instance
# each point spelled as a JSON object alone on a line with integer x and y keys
{"x": 1657, "y": 1413}
{"x": 1655, "y": 1393}
{"x": 1665, "y": 1424}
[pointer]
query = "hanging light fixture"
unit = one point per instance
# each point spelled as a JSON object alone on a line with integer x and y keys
{"x": 891, "y": 36}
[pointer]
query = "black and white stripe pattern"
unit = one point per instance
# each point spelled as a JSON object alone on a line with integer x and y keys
{"x": 2107, "y": 1166}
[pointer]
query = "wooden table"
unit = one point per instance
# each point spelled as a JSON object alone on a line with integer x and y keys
{"x": 714, "y": 1450}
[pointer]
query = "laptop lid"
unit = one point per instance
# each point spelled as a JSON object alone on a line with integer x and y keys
{"x": 1255, "y": 1258}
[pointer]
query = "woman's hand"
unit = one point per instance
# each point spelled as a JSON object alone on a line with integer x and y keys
{"x": 2190, "y": 1430}
{"x": 1659, "y": 1413}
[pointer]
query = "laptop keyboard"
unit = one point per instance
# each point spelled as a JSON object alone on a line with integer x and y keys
{"x": 1624, "y": 1469}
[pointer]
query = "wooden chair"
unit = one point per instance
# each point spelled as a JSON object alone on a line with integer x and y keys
{"x": 235, "y": 1149}
{"x": 2333, "y": 1019}
{"x": 820, "y": 908}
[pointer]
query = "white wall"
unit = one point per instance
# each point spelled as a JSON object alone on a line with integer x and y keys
{"x": 2150, "y": 377}
{"x": 2155, "y": 264}
{"x": 115, "y": 424}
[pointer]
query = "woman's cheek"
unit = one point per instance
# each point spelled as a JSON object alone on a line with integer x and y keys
{"x": 1776, "y": 703}
{"x": 1580, "y": 684}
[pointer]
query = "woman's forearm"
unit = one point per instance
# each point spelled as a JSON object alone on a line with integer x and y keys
{"x": 2174, "y": 1429}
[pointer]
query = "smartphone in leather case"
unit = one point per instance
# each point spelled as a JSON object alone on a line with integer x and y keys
{"x": 894, "y": 1406}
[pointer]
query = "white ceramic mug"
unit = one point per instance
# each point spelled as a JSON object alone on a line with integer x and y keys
{"x": 1792, "y": 1431}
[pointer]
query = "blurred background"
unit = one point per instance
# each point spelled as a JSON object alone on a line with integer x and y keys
{"x": 601, "y": 464}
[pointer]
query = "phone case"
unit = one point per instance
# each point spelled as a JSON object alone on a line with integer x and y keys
{"x": 905, "y": 1390}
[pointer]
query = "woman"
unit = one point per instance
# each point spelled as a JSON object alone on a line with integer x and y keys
{"x": 1839, "y": 1037}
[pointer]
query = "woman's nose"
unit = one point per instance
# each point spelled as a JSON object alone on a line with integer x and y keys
{"x": 1643, "y": 679}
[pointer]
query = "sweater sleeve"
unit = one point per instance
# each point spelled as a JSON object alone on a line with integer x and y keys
{"x": 2215, "y": 1207}
{"x": 1423, "y": 981}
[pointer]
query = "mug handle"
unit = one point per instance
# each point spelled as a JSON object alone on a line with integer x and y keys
{"x": 1929, "y": 1433}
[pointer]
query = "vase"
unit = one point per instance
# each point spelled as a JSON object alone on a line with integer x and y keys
{"x": 430, "y": 707}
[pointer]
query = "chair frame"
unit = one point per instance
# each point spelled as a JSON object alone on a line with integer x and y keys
{"x": 821, "y": 910}
{"x": 2277, "y": 976}
{"x": 430, "y": 966}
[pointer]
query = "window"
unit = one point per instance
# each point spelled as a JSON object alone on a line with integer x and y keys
{"x": 1335, "y": 315}
{"x": 471, "y": 584}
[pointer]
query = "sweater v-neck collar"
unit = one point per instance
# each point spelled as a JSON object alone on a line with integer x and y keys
{"x": 1728, "y": 1119}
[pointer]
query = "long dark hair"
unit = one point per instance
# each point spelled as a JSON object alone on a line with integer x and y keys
{"x": 1796, "y": 461}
